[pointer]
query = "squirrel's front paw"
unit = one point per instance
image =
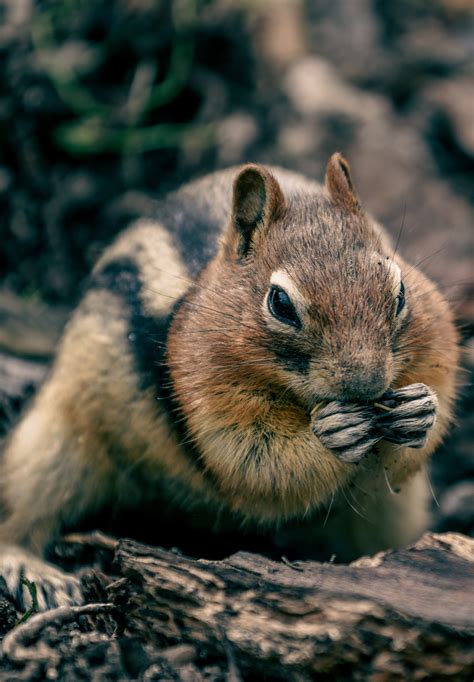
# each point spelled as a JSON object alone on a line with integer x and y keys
{"x": 409, "y": 414}
{"x": 34, "y": 582}
{"x": 345, "y": 429}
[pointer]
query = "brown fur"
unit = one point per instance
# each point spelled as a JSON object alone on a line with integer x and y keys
{"x": 293, "y": 474}
{"x": 340, "y": 185}
{"x": 248, "y": 449}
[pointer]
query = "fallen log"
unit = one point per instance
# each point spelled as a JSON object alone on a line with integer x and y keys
{"x": 404, "y": 614}
{"x": 387, "y": 617}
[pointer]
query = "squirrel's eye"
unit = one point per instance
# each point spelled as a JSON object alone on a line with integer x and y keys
{"x": 281, "y": 307}
{"x": 400, "y": 299}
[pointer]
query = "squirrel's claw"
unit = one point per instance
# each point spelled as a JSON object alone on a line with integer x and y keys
{"x": 412, "y": 414}
{"x": 34, "y": 583}
{"x": 345, "y": 429}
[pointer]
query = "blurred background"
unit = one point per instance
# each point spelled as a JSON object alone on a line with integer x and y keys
{"x": 104, "y": 104}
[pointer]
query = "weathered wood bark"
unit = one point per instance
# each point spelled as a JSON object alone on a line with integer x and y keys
{"x": 29, "y": 328}
{"x": 29, "y": 331}
{"x": 401, "y": 611}
{"x": 18, "y": 375}
{"x": 406, "y": 614}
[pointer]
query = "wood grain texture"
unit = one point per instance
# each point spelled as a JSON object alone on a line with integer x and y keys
{"x": 400, "y": 611}
{"x": 155, "y": 614}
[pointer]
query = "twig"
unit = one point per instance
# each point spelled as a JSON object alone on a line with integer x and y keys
{"x": 291, "y": 564}
{"x": 382, "y": 407}
{"x": 31, "y": 628}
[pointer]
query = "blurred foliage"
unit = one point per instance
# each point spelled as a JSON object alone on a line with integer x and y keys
{"x": 118, "y": 116}
{"x": 99, "y": 98}
{"x": 106, "y": 103}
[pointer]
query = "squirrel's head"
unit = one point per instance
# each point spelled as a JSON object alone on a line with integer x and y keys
{"x": 303, "y": 295}
{"x": 303, "y": 303}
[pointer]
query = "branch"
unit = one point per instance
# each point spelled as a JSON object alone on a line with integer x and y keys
{"x": 399, "y": 611}
{"x": 405, "y": 614}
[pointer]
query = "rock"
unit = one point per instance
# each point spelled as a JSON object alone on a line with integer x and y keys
{"x": 457, "y": 508}
{"x": 315, "y": 87}
{"x": 452, "y": 101}
{"x": 235, "y": 134}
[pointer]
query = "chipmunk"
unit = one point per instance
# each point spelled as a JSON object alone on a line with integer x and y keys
{"x": 257, "y": 350}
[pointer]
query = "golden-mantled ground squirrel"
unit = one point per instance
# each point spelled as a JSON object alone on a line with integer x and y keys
{"x": 257, "y": 351}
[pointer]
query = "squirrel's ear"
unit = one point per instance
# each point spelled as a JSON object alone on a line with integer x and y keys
{"x": 339, "y": 184}
{"x": 257, "y": 200}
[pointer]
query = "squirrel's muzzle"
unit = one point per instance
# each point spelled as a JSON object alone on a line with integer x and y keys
{"x": 358, "y": 379}
{"x": 363, "y": 381}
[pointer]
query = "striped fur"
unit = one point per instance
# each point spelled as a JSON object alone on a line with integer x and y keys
{"x": 174, "y": 386}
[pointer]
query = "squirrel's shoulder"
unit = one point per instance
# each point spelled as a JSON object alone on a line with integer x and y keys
{"x": 183, "y": 233}
{"x": 196, "y": 214}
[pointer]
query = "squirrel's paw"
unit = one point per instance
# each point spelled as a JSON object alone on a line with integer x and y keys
{"x": 410, "y": 414}
{"x": 345, "y": 429}
{"x": 33, "y": 582}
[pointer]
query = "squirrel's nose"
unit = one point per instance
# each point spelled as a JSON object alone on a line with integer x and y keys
{"x": 363, "y": 389}
{"x": 363, "y": 380}
{"x": 362, "y": 377}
